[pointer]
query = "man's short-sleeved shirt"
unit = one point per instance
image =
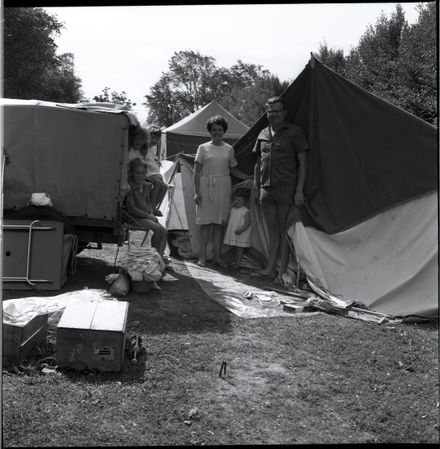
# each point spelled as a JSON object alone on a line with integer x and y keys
{"x": 279, "y": 164}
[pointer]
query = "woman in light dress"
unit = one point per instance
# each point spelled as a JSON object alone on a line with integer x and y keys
{"x": 214, "y": 164}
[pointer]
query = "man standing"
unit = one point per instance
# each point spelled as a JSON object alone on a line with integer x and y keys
{"x": 279, "y": 175}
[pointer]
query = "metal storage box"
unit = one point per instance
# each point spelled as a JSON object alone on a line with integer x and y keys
{"x": 92, "y": 336}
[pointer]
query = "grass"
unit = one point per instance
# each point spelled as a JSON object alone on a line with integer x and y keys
{"x": 313, "y": 379}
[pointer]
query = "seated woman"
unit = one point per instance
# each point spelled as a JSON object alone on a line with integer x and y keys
{"x": 139, "y": 206}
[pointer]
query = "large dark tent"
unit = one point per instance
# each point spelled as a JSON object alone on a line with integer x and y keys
{"x": 367, "y": 154}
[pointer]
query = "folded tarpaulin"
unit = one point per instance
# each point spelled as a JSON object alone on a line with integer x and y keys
{"x": 18, "y": 311}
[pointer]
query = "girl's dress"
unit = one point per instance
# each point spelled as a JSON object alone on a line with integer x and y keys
{"x": 215, "y": 182}
{"x": 236, "y": 219}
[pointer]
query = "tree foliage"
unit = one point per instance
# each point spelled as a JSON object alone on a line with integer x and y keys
{"x": 32, "y": 69}
{"x": 395, "y": 61}
{"x": 418, "y": 65}
{"x": 194, "y": 80}
{"x": 114, "y": 97}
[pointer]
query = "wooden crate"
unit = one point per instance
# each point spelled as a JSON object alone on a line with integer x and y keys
{"x": 92, "y": 336}
{"x": 18, "y": 340}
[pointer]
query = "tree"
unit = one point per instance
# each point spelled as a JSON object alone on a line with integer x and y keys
{"x": 32, "y": 69}
{"x": 418, "y": 65}
{"x": 247, "y": 103}
{"x": 194, "y": 80}
{"x": 60, "y": 82}
{"x": 395, "y": 61}
{"x": 114, "y": 97}
{"x": 378, "y": 55}
{"x": 162, "y": 102}
{"x": 332, "y": 58}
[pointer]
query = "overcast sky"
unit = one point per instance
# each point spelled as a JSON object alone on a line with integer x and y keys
{"x": 128, "y": 48}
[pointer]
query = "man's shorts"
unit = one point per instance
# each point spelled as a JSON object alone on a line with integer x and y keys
{"x": 282, "y": 195}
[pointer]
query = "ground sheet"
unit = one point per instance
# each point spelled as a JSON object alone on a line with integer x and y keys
{"x": 239, "y": 297}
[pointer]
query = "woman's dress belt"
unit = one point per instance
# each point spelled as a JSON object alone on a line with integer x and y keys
{"x": 210, "y": 180}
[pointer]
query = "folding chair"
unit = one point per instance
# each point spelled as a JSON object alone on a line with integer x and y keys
{"x": 130, "y": 224}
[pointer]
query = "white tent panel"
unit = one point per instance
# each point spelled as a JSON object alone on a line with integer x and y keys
{"x": 177, "y": 214}
{"x": 389, "y": 262}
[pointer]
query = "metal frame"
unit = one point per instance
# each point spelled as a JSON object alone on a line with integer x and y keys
{"x": 30, "y": 227}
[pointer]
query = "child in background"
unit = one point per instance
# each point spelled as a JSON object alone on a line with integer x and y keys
{"x": 139, "y": 206}
{"x": 138, "y": 139}
{"x": 160, "y": 187}
{"x": 238, "y": 231}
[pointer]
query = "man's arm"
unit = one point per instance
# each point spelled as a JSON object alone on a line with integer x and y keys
{"x": 257, "y": 173}
{"x": 302, "y": 171}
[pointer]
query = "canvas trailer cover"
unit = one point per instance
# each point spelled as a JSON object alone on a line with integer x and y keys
{"x": 77, "y": 153}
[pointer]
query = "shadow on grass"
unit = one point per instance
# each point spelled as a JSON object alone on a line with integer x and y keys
{"x": 180, "y": 307}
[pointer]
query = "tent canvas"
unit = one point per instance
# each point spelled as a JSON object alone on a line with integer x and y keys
{"x": 53, "y": 157}
{"x": 187, "y": 134}
{"x": 369, "y": 228}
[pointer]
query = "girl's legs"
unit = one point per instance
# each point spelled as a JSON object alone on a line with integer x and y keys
{"x": 238, "y": 256}
{"x": 159, "y": 239}
{"x": 159, "y": 191}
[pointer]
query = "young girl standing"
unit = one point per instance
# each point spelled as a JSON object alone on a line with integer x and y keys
{"x": 238, "y": 231}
